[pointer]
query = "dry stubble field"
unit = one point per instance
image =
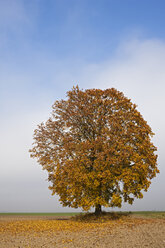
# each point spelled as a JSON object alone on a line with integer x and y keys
{"x": 63, "y": 231}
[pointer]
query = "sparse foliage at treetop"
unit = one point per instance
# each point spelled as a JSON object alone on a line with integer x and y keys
{"x": 97, "y": 149}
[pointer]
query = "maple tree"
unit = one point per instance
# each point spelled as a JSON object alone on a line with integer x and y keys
{"x": 97, "y": 149}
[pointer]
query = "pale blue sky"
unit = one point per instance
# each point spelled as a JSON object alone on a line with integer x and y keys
{"x": 46, "y": 47}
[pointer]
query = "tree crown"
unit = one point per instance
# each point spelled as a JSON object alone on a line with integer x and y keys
{"x": 96, "y": 148}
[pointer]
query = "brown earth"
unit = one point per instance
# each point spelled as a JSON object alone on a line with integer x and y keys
{"x": 64, "y": 232}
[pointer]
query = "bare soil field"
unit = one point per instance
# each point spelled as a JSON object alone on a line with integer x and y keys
{"x": 66, "y": 232}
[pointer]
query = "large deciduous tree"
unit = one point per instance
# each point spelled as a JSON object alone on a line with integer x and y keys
{"x": 97, "y": 149}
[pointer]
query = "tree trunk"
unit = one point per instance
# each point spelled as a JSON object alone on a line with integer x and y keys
{"x": 98, "y": 209}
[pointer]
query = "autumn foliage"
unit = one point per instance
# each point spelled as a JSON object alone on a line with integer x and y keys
{"x": 97, "y": 149}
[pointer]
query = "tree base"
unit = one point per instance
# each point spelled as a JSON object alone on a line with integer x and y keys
{"x": 98, "y": 210}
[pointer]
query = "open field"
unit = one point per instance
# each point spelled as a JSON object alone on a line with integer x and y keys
{"x": 149, "y": 214}
{"x": 39, "y": 214}
{"x": 138, "y": 229}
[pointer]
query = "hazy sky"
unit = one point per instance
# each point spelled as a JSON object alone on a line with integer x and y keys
{"x": 46, "y": 47}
